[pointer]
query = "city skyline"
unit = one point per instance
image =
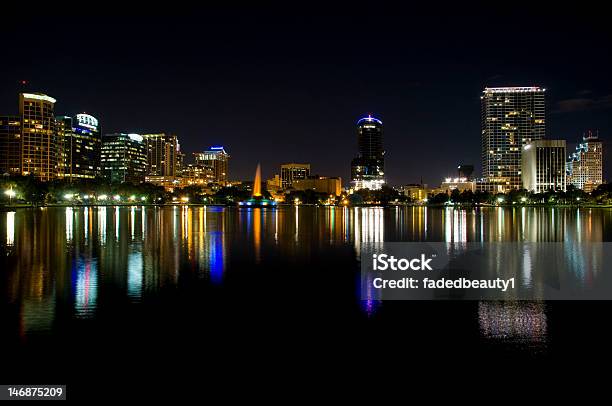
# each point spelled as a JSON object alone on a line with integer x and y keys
{"x": 214, "y": 86}
{"x": 275, "y": 185}
{"x": 509, "y": 123}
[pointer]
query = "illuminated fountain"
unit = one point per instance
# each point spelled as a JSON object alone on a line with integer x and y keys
{"x": 257, "y": 200}
{"x": 257, "y": 182}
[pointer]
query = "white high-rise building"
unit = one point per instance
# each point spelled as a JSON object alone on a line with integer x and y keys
{"x": 543, "y": 166}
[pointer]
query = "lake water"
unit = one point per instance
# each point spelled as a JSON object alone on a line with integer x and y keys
{"x": 140, "y": 287}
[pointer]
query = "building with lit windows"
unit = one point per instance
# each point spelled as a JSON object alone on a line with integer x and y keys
{"x": 217, "y": 158}
{"x": 512, "y": 117}
{"x": 483, "y": 185}
{"x": 460, "y": 184}
{"x": 10, "y": 145}
{"x": 415, "y": 191}
{"x": 585, "y": 165}
{"x": 368, "y": 168}
{"x": 543, "y": 166}
{"x": 274, "y": 183}
{"x": 292, "y": 172}
{"x": 274, "y": 186}
{"x": 198, "y": 174}
{"x": 40, "y": 144}
{"x": 162, "y": 154}
{"x": 180, "y": 160}
{"x": 320, "y": 184}
{"x": 124, "y": 158}
{"x": 81, "y": 146}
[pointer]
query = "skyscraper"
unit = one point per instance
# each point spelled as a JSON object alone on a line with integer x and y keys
{"x": 40, "y": 144}
{"x": 63, "y": 128}
{"x": 512, "y": 117}
{"x": 162, "y": 154}
{"x": 367, "y": 169}
{"x": 585, "y": 165}
{"x": 292, "y": 172}
{"x": 80, "y": 156}
{"x": 123, "y": 158}
{"x": 10, "y": 145}
{"x": 216, "y": 158}
{"x": 543, "y": 166}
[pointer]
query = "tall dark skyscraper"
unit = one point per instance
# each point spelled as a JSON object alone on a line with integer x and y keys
{"x": 10, "y": 145}
{"x": 512, "y": 117}
{"x": 162, "y": 154}
{"x": 368, "y": 169}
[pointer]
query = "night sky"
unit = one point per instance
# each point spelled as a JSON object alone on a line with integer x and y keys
{"x": 275, "y": 85}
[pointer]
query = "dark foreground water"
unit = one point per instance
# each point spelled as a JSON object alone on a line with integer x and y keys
{"x": 90, "y": 296}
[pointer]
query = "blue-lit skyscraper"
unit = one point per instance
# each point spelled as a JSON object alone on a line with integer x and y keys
{"x": 368, "y": 168}
{"x": 80, "y": 136}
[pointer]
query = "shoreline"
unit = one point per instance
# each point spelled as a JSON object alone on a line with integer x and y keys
{"x": 4, "y": 208}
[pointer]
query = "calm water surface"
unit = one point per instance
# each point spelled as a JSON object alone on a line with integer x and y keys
{"x": 132, "y": 281}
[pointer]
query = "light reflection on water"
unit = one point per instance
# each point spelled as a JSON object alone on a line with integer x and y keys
{"x": 85, "y": 286}
{"x": 73, "y": 254}
{"x": 518, "y": 322}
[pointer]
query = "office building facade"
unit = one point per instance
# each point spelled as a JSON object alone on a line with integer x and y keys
{"x": 320, "y": 184}
{"x": 198, "y": 174}
{"x": 217, "y": 158}
{"x": 512, "y": 117}
{"x": 162, "y": 154}
{"x": 543, "y": 166}
{"x": 585, "y": 165}
{"x": 40, "y": 143}
{"x": 367, "y": 169}
{"x": 460, "y": 184}
{"x": 292, "y": 172}
{"x": 415, "y": 191}
{"x": 81, "y": 146}
{"x": 10, "y": 145}
{"x": 124, "y": 158}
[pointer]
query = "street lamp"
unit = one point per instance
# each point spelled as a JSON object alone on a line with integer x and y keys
{"x": 10, "y": 193}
